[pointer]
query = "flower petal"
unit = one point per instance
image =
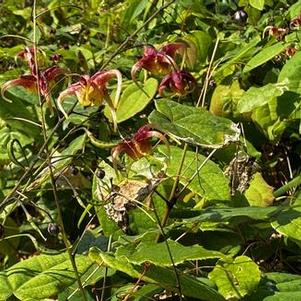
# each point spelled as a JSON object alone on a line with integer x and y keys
{"x": 172, "y": 48}
{"x": 69, "y": 91}
{"x": 102, "y": 77}
{"x": 28, "y": 55}
{"x": 180, "y": 82}
{"x": 52, "y": 72}
{"x": 29, "y": 82}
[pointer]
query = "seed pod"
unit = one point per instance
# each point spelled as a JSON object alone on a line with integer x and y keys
{"x": 240, "y": 16}
{"x": 100, "y": 173}
{"x": 53, "y": 229}
{"x": 74, "y": 170}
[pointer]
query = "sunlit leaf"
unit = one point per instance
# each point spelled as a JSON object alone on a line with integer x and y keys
{"x": 264, "y": 56}
{"x": 159, "y": 254}
{"x": 259, "y": 193}
{"x": 193, "y": 125}
{"x": 164, "y": 277}
{"x": 209, "y": 181}
{"x": 236, "y": 278}
{"x": 257, "y": 97}
{"x": 43, "y": 276}
{"x": 291, "y": 71}
{"x": 135, "y": 98}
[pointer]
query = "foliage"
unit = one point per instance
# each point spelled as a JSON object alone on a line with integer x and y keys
{"x": 150, "y": 150}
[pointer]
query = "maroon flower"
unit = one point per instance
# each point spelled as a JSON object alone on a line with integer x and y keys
{"x": 276, "y": 32}
{"x": 158, "y": 62}
{"x": 37, "y": 80}
{"x": 139, "y": 145}
{"x": 180, "y": 82}
{"x": 296, "y": 22}
{"x": 290, "y": 51}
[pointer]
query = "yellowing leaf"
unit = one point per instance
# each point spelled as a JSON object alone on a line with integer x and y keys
{"x": 259, "y": 193}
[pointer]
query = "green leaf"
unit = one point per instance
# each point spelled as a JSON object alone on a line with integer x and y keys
{"x": 278, "y": 286}
{"x": 241, "y": 54}
{"x": 60, "y": 160}
{"x": 234, "y": 214}
{"x": 134, "y": 9}
{"x": 291, "y": 71}
{"x": 5, "y": 289}
{"x": 193, "y": 125}
{"x": 258, "y": 4}
{"x": 19, "y": 116}
{"x": 294, "y": 10}
{"x": 158, "y": 254}
{"x": 135, "y": 98}
{"x": 264, "y": 55}
{"x": 164, "y": 277}
{"x": 199, "y": 44}
{"x": 257, "y": 97}
{"x": 284, "y": 296}
{"x": 209, "y": 182}
{"x": 90, "y": 277}
{"x": 236, "y": 278}
{"x": 146, "y": 292}
{"x": 288, "y": 222}
{"x": 43, "y": 276}
{"x": 259, "y": 193}
{"x": 225, "y": 98}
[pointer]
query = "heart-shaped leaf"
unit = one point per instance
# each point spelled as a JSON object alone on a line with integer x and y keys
{"x": 208, "y": 181}
{"x": 236, "y": 278}
{"x": 193, "y": 125}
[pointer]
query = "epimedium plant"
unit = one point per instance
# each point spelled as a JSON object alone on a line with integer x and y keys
{"x": 150, "y": 151}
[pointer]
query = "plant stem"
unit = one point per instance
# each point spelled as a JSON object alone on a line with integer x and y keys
{"x": 161, "y": 227}
{"x": 208, "y": 76}
{"x": 53, "y": 182}
{"x": 172, "y": 200}
{"x": 285, "y": 188}
{"x": 126, "y": 41}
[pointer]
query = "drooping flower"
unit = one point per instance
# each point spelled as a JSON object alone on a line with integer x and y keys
{"x": 92, "y": 91}
{"x": 37, "y": 81}
{"x": 139, "y": 145}
{"x": 290, "y": 51}
{"x": 296, "y": 22}
{"x": 276, "y": 32}
{"x": 158, "y": 62}
{"x": 179, "y": 82}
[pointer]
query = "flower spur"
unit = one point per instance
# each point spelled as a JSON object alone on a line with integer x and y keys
{"x": 92, "y": 91}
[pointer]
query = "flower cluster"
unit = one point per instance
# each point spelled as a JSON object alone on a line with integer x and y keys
{"x": 90, "y": 91}
{"x": 162, "y": 62}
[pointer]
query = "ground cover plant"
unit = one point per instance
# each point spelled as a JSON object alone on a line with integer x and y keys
{"x": 150, "y": 150}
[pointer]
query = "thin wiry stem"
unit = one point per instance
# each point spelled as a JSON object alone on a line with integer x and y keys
{"x": 161, "y": 227}
{"x": 129, "y": 38}
{"x": 53, "y": 183}
{"x": 203, "y": 93}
